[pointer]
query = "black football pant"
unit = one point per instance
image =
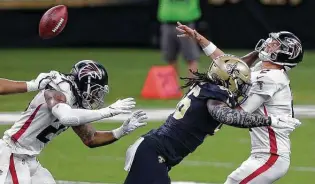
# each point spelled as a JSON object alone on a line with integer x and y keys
{"x": 146, "y": 168}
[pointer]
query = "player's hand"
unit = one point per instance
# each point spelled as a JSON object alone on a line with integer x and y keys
{"x": 41, "y": 81}
{"x": 119, "y": 107}
{"x": 285, "y": 122}
{"x": 185, "y": 31}
{"x": 136, "y": 120}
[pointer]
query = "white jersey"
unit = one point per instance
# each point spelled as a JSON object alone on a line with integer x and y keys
{"x": 275, "y": 85}
{"x": 37, "y": 125}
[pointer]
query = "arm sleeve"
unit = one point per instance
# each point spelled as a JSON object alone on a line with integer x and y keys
{"x": 74, "y": 117}
{"x": 253, "y": 102}
{"x": 237, "y": 118}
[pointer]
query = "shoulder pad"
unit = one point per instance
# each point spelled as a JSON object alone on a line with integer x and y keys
{"x": 212, "y": 91}
{"x": 58, "y": 77}
{"x": 61, "y": 83}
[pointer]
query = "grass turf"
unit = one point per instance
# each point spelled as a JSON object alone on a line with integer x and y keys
{"x": 68, "y": 159}
{"x": 127, "y": 72}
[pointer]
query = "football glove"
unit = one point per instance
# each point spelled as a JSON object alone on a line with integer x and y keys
{"x": 285, "y": 122}
{"x": 119, "y": 107}
{"x": 41, "y": 81}
{"x": 136, "y": 120}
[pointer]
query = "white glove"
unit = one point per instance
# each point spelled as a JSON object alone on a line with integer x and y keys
{"x": 41, "y": 81}
{"x": 119, "y": 107}
{"x": 284, "y": 122}
{"x": 136, "y": 120}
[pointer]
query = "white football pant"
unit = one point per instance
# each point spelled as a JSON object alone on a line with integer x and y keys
{"x": 260, "y": 168}
{"x": 24, "y": 169}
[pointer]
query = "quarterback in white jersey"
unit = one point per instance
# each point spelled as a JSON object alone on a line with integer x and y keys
{"x": 270, "y": 94}
{"x": 73, "y": 100}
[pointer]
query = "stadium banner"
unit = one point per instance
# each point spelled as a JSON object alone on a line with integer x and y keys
{"x": 237, "y": 24}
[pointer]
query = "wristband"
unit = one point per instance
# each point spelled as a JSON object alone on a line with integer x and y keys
{"x": 118, "y": 132}
{"x": 208, "y": 50}
{"x": 31, "y": 86}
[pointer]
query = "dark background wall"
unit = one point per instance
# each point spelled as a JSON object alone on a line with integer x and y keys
{"x": 134, "y": 24}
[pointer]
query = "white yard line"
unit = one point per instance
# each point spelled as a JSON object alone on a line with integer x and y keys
{"x": 7, "y": 118}
{"x": 160, "y": 115}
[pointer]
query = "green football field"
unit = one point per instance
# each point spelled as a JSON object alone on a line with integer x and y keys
{"x": 68, "y": 159}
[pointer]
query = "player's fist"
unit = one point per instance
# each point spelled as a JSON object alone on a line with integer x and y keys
{"x": 41, "y": 81}
{"x": 185, "y": 31}
{"x": 285, "y": 122}
{"x": 119, "y": 107}
{"x": 136, "y": 120}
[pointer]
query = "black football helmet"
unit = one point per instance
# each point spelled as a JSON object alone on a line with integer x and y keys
{"x": 282, "y": 48}
{"x": 91, "y": 83}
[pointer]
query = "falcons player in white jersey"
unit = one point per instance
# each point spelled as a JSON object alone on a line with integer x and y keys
{"x": 270, "y": 94}
{"x": 70, "y": 100}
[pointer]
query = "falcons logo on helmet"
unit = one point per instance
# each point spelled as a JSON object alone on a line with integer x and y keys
{"x": 296, "y": 47}
{"x": 90, "y": 70}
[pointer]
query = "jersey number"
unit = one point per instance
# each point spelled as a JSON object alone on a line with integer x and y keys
{"x": 185, "y": 102}
{"x": 42, "y": 137}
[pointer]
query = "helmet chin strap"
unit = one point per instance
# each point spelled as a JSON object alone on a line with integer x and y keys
{"x": 263, "y": 56}
{"x": 286, "y": 68}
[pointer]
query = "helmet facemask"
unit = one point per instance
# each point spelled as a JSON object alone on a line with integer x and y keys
{"x": 240, "y": 94}
{"x": 93, "y": 95}
{"x": 91, "y": 84}
{"x": 237, "y": 86}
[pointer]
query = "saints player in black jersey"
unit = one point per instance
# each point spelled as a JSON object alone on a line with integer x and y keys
{"x": 201, "y": 112}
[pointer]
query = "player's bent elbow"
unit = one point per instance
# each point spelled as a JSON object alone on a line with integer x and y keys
{"x": 89, "y": 143}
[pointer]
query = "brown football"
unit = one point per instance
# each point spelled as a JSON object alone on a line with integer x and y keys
{"x": 53, "y": 22}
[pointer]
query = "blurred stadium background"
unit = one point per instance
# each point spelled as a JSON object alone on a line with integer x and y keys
{"x": 124, "y": 36}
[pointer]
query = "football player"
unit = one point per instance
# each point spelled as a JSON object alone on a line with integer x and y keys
{"x": 270, "y": 94}
{"x": 70, "y": 100}
{"x": 11, "y": 87}
{"x": 201, "y": 112}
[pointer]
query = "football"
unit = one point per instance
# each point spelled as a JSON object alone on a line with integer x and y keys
{"x": 53, "y": 22}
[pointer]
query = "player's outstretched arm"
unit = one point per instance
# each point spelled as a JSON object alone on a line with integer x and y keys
{"x": 208, "y": 47}
{"x": 250, "y": 58}
{"x": 57, "y": 102}
{"x": 11, "y": 87}
{"x": 221, "y": 112}
{"x": 239, "y": 118}
{"x": 92, "y": 138}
